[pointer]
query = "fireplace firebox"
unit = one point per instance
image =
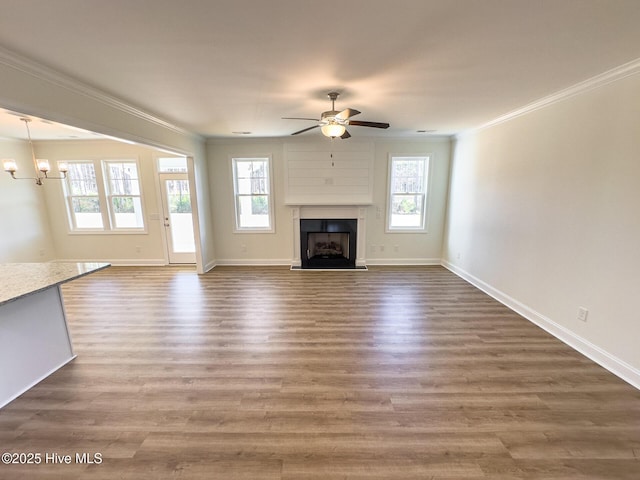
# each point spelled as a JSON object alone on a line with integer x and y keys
{"x": 328, "y": 243}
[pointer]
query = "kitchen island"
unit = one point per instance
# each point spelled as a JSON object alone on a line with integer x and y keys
{"x": 34, "y": 337}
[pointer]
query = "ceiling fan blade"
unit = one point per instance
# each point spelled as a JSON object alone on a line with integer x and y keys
{"x": 347, "y": 113}
{"x": 300, "y": 118}
{"x": 305, "y": 130}
{"x": 345, "y": 135}
{"x": 368, "y": 124}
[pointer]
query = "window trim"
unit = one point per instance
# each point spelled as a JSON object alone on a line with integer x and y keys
{"x": 72, "y": 224}
{"x": 424, "y": 227}
{"x": 236, "y": 221}
{"x": 158, "y": 161}
{"x": 109, "y": 195}
{"x": 99, "y": 165}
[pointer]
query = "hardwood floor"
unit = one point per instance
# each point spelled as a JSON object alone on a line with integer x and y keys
{"x": 266, "y": 373}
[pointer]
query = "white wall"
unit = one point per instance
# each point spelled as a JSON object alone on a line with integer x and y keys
{"x": 277, "y": 248}
{"x": 24, "y": 229}
{"x": 32, "y": 89}
{"x": 408, "y": 248}
{"x": 544, "y": 213}
{"x": 247, "y": 248}
{"x": 142, "y": 249}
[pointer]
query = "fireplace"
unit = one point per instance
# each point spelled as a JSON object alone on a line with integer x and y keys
{"x": 328, "y": 243}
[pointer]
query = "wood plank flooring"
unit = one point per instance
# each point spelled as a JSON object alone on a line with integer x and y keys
{"x": 267, "y": 373}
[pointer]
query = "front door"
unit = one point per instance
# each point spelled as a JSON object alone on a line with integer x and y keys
{"x": 178, "y": 219}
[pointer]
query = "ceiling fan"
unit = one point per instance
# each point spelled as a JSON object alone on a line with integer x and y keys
{"x": 333, "y": 123}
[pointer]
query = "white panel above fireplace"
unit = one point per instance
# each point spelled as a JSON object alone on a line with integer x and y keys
{"x": 329, "y": 173}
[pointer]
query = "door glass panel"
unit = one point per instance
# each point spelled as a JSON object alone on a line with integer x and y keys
{"x": 180, "y": 219}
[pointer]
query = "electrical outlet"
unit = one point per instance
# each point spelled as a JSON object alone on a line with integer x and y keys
{"x": 138, "y": 249}
{"x": 382, "y": 248}
{"x": 582, "y": 314}
{"x": 243, "y": 248}
{"x": 396, "y": 248}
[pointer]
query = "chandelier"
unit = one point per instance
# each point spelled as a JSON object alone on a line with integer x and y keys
{"x": 42, "y": 167}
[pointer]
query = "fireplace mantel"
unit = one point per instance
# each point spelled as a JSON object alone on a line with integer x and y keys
{"x": 330, "y": 211}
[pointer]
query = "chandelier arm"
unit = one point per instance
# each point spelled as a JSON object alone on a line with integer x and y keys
{"x": 41, "y": 169}
{"x": 48, "y": 177}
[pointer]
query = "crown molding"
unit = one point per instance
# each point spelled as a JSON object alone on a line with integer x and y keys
{"x": 610, "y": 76}
{"x": 49, "y": 75}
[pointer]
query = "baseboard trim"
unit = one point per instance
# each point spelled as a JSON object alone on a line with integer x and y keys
{"x": 122, "y": 262}
{"x": 613, "y": 364}
{"x": 210, "y": 266}
{"x": 254, "y": 262}
{"x": 288, "y": 262}
{"x": 403, "y": 261}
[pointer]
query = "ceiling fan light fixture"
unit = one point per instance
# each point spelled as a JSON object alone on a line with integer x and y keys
{"x": 333, "y": 130}
{"x": 333, "y": 123}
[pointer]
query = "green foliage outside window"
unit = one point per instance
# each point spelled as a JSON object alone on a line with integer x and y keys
{"x": 259, "y": 206}
{"x": 86, "y": 205}
{"x": 407, "y": 206}
{"x": 123, "y": 205}
{"x": 180, "y": 204}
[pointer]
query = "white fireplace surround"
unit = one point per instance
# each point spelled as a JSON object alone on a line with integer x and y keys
{"x": 330, "y": 211}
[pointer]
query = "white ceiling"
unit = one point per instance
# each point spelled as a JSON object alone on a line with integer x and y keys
{"x": 12, "y": 126}
{"x": 219, "y": 66}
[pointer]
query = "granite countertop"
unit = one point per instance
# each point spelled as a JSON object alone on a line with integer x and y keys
{"x": 20, "y": 279}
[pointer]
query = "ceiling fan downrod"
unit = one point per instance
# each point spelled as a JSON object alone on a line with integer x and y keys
{"x": 333, "y": 96}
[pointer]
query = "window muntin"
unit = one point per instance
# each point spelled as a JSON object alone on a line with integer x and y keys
{"x": 104, "y": 196}
{"x": 252, "y": 192}
{"x": 408, "y": 179}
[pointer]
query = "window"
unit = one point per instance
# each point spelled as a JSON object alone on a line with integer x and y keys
{"x": 407, "y": 200}
{"x": 252, "y": 192}
{"x": 172, "y": 165}
{"x": 83, "y": 200}
{"x": 123, "y": 194}
{"x": 104, "y": 196}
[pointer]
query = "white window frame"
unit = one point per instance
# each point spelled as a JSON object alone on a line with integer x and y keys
{"x": 109, "y": 195}
{"x": 425, "y": 193}
{"x": 236, "y": 196}
{"x": 68, "y": 197}
{"x": 108, "y": 221}
{"x": 175, "y": 169}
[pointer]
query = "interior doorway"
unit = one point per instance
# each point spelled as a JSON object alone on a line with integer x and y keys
{"x": 177, "y": 213}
